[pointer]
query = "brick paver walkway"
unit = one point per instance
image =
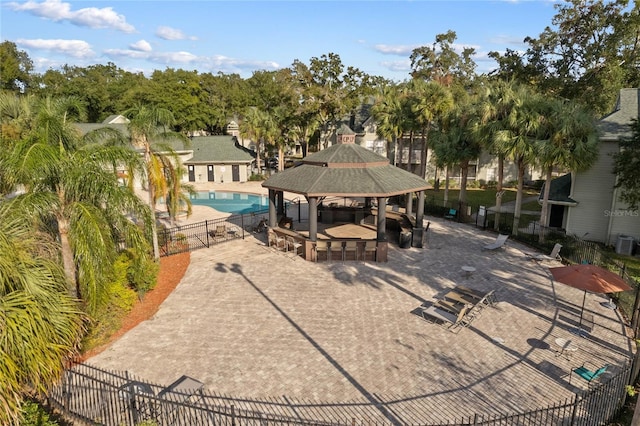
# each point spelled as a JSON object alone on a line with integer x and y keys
{"x": 253, "y": 323}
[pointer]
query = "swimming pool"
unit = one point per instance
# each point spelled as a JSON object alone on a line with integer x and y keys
{"x": 231, "y": 202}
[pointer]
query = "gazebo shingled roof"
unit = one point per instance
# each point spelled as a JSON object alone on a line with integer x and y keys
{"x": 346, "y": 170}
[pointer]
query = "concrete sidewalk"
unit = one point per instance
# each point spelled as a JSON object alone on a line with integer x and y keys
{"x": 339, "y": 339}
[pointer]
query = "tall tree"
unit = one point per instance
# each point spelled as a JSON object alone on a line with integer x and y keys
{"x": 148, "y": 128}
{"x": 433, "y": 102}
{"x": 460, "y": 142}
{"x": 591, "y": 51}
{"x": 442, "y": 63}
{"x": 41, "y": 324}
{"x": 627, "y": 167}
{"x": 568, "y": 141}
{"x": 252, "y": 127}
{"x": 389, "y": 114}
{"x": 497, "y": 101}
{"x": 73, "y": 185}
{"x": 15, "y": 68}
{"x": 517, "y": 139}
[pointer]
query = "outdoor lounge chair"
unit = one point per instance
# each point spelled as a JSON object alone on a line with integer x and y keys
{"x": 587, "y": 374}
{"x": 498, "y": 243}
{"x": 554, "y": 255}
{"x": 453, "y": 322}
{"x": 221, "y": 232}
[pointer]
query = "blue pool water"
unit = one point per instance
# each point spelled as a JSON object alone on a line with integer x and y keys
{"x": 231, "y": 202}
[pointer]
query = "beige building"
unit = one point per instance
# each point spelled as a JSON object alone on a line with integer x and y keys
{"x": 599, "y": 214}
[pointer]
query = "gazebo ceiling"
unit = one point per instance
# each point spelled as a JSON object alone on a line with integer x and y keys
{"x": 346, "y": 170}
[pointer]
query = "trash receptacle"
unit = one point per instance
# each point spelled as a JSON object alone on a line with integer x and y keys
{"x": 405, "y": 239}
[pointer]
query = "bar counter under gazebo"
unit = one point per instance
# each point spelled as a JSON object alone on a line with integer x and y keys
{"x": 347, "y": 171}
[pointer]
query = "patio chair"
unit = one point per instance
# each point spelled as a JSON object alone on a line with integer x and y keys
{"x": 554, "y": 255}
{"x": 587, "y": 374}
{"x": 322, "y": 246}
{"x": 370, "y": 247}
{"x": 220, "y": 232}
{"x": 276, "y": 241}
{"x": 293, "y": 246}
{"x": 498, "y": 243}
{"x": 350, "y": 247}
{"x": 451, "y": 214}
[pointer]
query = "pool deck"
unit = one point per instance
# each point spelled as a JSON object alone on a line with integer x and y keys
{"x": 339, "y": 340}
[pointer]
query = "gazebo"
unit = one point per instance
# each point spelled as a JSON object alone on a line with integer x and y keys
{"x": 350, "y": 171}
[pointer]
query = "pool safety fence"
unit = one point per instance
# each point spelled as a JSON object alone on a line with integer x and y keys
{"x": 204, "y": 234}
{"x": 90, "y": 395}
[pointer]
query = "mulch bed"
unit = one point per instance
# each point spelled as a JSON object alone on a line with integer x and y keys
{"x": 172, "y": 269}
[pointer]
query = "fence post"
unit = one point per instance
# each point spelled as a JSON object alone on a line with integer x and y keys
{"x": 206, "y": 230}
{"x": 242, "y": 224}
{"x": 574, "y": 411}
{"x": 233, "y": 415}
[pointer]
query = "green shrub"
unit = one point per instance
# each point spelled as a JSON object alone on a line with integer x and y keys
{"x": 492, "y": 184}
{"x": 33, "y": 414}
{"x": 141, "y": 272}
{"x": 256, "y": 178}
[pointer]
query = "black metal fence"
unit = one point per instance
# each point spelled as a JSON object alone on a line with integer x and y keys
{"x": 204, "y": 234}
{"x": 93, "y": 396}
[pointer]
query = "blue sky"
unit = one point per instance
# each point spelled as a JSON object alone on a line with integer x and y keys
{"x": 243, "y": 36}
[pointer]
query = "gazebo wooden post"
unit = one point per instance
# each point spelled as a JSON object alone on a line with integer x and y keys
{"x": 273, "y": 217}
{"x": 280, "y": 204}
{"x": 313, "y": 218}
{"x": 309, "y": 244}
{"x": 381, "y": 235}
{"x": 409, "y": 204}
{"x": 418, "y": 231}
{"x": 382, "y": 218}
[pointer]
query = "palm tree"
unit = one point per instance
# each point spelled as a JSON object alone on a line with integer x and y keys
{"x": 568, "y": 140}
{"x": 148, "y": 127}
{"x": 517, "y": 139}
{"x": 458, "y": 142}
{"x": 72, "y": 186}
{"x": 41, "y": 324}
{"x": 434, "y": 101}
{"x": 496, "y": 103}
{"x": 252, "y": 127}
{"x": 387, "y": 111}
{"x": 178, "y": 192}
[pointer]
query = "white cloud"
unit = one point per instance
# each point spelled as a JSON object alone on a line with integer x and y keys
{"x": 75, "y": 48}
{"x": 401, "y": 50}
{"x": 141, "y": 46}
{"x": 397, "y": 66}
{"x": 169, "y": 33}
{"x": 165, "y": 58}
{"x": 184, "y": 59}
{"x": 91, "y": 17}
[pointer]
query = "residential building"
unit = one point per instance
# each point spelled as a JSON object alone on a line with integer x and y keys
{"x": 599, "y": 214}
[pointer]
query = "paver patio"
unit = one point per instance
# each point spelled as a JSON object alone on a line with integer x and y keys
{"x": 253, "y": 323}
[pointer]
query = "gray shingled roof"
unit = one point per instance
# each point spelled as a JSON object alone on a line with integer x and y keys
{"x": 559, "y": 191}
{"x": 87, "y": 127}
{"x": 346, "y": 170}
{"x": 614, "y": 126}
{"x": 218, "y": 149}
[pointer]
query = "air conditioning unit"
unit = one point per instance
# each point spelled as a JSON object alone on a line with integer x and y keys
{"x": 624, "y": 245}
